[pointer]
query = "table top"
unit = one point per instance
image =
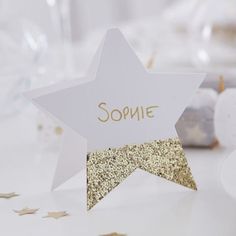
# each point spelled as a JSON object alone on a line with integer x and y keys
{"x": 142, "y": 205}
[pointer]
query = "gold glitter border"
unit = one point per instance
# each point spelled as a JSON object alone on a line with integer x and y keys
{"x": 106, "y": 169}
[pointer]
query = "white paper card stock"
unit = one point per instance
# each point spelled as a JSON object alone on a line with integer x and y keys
{"x": 118, "y": 103}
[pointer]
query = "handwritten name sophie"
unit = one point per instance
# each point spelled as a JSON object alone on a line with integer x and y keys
{"x": 138, "y": 113}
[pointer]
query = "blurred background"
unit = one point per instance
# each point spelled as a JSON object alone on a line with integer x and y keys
{"x": 43, "y": 42}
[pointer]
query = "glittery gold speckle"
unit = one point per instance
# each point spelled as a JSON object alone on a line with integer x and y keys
{"x": 108, "y": 168}
{"x": 40, "y": 127}
{"x": 58, "y": 130}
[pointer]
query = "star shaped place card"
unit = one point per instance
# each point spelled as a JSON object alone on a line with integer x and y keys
{"x": 119, "y": 118}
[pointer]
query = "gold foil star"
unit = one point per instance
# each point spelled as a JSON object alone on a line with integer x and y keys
{"x": 26, "y": 211}
{"x": 8, "y": 195}
{"x": 56, "y": 214}
{"x": 113, "y": 234}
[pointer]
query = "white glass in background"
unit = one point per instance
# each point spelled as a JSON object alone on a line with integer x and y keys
{"x": 213, "y": 34}
{"x": 61, "y": 18}
{"x": 177, "y": 17}
{"x": 11, "y": 87}
{"x": 154, "y": 38}
{"x": 59, "y": 63}
{"x": 21, "y": 47}
{"x": 22, "y": 44}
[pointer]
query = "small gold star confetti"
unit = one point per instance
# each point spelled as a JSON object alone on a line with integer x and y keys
{"x": 8, "y": 195}
{"x": 56, "y": 214}
{"x": 58, "y": 130}
{"x": 26, "y": 211}
{"x": 113, "y": 234}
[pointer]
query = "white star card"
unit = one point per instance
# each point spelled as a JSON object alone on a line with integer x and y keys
{"x": 127, "y": 117}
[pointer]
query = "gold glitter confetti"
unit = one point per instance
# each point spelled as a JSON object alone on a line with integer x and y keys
{"x": 58, "y": 130}
{"x": 26, "y": 211}
{"x": 113, "y": 234}
{"x": 40, "y": 127}
{"x": 56, "y": 215}
{"x": 8, "y": 195}
{"x": 108, "y": 168}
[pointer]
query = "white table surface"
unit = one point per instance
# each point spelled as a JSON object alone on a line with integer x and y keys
{"x": 143, "y": 205}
